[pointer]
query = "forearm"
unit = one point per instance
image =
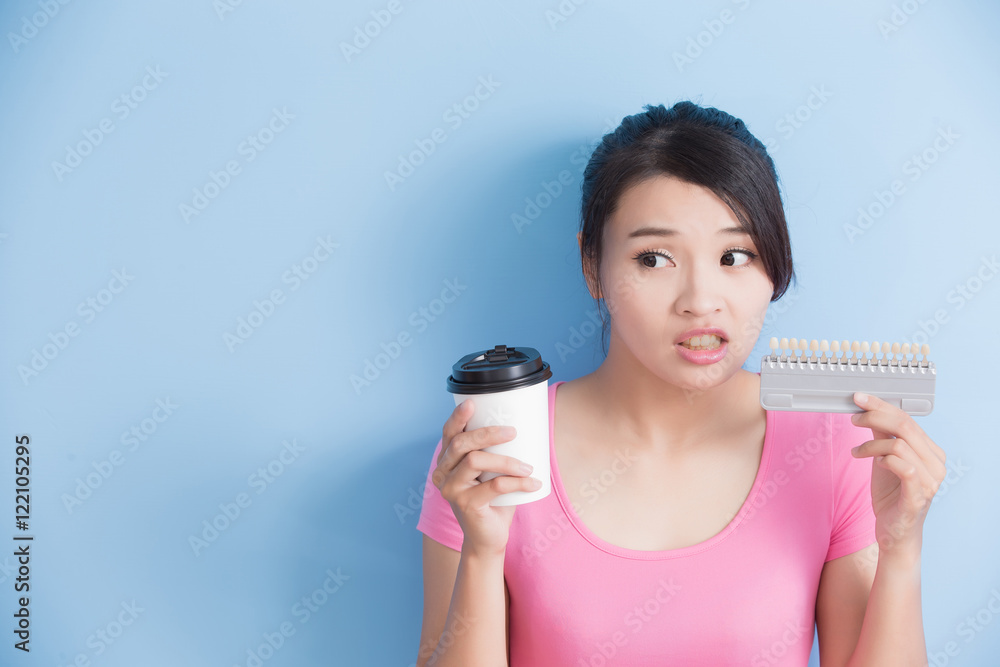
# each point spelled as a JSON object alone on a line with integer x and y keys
{"x": 893, "y": 629}
{"x": 476, "y": 629}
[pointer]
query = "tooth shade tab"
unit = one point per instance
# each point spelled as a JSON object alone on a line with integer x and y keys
{"x": 807, "y": 375}
{"x": 856, "y": 353}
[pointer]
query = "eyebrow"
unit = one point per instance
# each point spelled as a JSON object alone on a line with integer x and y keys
{"x": 664, "y": 231}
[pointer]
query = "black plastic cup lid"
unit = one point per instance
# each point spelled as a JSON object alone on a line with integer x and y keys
{"x": 500, "y": 369}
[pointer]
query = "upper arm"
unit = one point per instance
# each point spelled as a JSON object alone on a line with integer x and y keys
{"x": 844, "y": 587}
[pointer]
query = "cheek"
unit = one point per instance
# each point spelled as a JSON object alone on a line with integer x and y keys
{"x": 623, "y": 286}
{"x": 753, "y": 314}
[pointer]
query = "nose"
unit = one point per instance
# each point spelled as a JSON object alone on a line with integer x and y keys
{"x": 700, "y": 292}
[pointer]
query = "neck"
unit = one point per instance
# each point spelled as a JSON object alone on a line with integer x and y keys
{"x": 668, "y": 418}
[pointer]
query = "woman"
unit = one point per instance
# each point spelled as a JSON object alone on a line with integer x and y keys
{"x": 687, "y": 525}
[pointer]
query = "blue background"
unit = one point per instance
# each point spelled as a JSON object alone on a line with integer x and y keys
{"x": 889, "y": 77}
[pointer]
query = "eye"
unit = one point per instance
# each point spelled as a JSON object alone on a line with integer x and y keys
{"x": 648, "y": 259}
{"x": 727, "y": 257}
{"x": 645, "y": 256}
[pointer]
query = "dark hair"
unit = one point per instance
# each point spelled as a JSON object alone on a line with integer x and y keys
{"x": 700, "y": 145}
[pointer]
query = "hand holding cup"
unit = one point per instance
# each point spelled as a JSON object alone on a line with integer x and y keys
{"x": 459, "y": 466}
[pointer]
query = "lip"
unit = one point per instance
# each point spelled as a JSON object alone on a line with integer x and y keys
{"x": 698, "y": 332}
{"x": 703, "y": 356}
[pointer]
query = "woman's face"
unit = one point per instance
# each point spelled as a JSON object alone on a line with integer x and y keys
{"x": 658, "y": 285}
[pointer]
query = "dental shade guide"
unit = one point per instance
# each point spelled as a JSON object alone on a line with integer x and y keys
{"x": 800, "y": 380}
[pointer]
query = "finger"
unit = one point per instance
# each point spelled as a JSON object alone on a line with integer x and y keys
{"x": 469, "y": 441}
{"x": 484, "y": 492}
{"x": 897, "y": 448}
{"x": 911, "y": 483}
{"x": 477, "y": 462}
{"x": 455, "y": 424}
{"x": 881, "y": 417}
{"x": 886, "y": 421}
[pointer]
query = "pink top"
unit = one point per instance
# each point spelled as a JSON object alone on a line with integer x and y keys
{"x": 744, "y": 596}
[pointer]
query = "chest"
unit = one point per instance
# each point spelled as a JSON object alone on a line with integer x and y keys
{"x": 642, "y": 501}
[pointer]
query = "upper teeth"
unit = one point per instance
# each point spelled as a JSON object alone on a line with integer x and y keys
{"x": 705, "y": 340}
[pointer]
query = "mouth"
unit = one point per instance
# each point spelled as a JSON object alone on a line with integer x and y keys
{"x": 703, "y": 342}
{"x": 702, "y": 338}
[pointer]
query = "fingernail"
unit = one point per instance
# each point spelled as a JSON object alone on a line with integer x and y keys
{"x": 855, "y": 417}
{"x": 854, "y": 450}
{"x": 526, "y": 469}
{"x": 535, "y": 483}
{"x": 861, "y": 398}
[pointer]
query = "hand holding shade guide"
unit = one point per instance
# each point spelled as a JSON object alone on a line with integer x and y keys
{"x": 798, "y": 381}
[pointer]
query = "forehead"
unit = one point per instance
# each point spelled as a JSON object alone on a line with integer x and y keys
{"x": 671, "y": 232}
{"x": 666, "y": 207}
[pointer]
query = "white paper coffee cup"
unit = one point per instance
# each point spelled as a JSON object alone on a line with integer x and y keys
{"x": 509, "y": 387}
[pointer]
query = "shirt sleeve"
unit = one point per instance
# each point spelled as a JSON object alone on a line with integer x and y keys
{"x": 853, "y": 518}
{"x": 437, "y": 519}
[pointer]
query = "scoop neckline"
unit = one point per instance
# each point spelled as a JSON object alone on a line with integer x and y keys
{"x": 663, "y": 554}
